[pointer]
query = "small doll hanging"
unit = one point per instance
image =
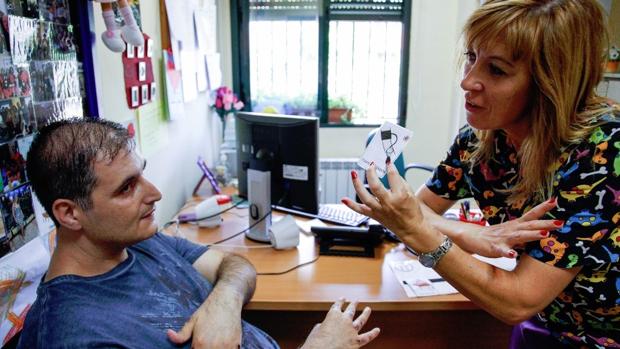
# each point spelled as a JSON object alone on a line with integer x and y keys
{"x": 114, "y": 37}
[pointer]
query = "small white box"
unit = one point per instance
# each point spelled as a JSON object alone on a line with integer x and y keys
{"x": 141, "y": 71}
{"x": 135, "y": 96}
{"x": 145, "y": 93}
{"x": 131, "y": 53}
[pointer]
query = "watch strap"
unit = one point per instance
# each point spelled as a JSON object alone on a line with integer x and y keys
{"x": 430, "y": 259}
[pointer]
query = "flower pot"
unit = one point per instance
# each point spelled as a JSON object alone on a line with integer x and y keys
{"x": 612, "y": 67}
{"x": 339, "y": 115}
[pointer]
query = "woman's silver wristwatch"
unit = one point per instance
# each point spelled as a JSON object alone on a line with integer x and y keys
{"x": 430, "y": 259}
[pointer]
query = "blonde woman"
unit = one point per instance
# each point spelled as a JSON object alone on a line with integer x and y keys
{"x": 540, "y": 156}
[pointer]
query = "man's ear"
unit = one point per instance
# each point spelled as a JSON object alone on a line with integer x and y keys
{"x": 67, "y": 213}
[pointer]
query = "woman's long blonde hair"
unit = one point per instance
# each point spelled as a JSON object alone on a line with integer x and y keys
{"x": 564, "y": 42}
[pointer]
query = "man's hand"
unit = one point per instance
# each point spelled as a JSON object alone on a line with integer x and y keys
{"x": 216, "y": 324}
{"x": 498, "y": 240}
{"x": 339, "y": 330}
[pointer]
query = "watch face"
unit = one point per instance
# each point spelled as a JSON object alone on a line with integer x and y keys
{"x": 427, "y": 261}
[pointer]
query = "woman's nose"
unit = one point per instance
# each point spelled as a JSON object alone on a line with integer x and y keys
{"x": 471, "y": 81}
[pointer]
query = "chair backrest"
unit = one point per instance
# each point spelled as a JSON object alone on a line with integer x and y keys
{"x": 398, "y": 162}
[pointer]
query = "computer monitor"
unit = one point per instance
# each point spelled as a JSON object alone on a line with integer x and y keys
{"x": 287, "y": 146}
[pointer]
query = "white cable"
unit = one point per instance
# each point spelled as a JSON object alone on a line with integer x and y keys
{"x": 239, "y": 246}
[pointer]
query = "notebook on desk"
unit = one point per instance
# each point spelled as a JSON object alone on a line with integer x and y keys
{"x": 332, "y": 213}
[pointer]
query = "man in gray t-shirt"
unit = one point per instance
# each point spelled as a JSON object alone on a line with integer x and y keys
{"x": 113, "y": 281}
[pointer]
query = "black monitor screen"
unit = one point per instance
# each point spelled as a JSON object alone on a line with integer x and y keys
{"x": 287, "y": 146}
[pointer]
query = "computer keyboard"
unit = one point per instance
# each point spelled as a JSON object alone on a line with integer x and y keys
{"x": 340, "y": 214}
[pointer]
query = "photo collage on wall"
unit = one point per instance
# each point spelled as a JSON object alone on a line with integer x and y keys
{"x": 39, "y": 83}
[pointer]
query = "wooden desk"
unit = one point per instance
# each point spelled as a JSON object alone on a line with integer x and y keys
{"x": 287, "y": 306}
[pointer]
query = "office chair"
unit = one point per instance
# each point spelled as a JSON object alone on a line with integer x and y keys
{"x": 398, "y": 162}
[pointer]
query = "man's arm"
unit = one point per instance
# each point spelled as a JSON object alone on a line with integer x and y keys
{"x": 230, "y": 271}
{"x": 217, "y": 323}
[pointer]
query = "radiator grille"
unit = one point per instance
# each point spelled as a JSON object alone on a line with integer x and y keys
{"x": 335, "y": 179}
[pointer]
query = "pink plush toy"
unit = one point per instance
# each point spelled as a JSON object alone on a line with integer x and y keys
{"x": 115, "y": 38}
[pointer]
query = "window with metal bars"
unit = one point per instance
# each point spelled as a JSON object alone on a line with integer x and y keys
{"x": 343, "y": 60}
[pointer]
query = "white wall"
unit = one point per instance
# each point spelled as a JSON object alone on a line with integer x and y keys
{"x": 172, "y": 169}
{"x": 434, "y": 102}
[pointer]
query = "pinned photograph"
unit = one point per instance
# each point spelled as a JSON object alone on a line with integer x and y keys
{"x": 145, "y": 94}
{"x": 130, "y": 51}
{"x": 62, "y": 43}
{"x": 23, "y": 79}
{"x": 141, "y": 51}
{"x": 42, "y": 81}
{"x": 54, "y": 11}
{"x": 45, "y": 113}
{"x": 153, "y": 90}
{"x": 12, "y": 167}
{"x": 135, "y": 96}
{"x": 141, "y": 71}
{"x": 16, "y": 118}
{"x": 149, "y": 47}
{"x": 18, "y": 216}
{"x": 9, "y": 86}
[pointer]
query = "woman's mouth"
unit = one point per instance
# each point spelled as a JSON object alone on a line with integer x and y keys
{"x": 472, "y": 107}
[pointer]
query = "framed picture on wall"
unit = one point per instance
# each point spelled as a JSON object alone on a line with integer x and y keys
{"x": 153, "y": 90}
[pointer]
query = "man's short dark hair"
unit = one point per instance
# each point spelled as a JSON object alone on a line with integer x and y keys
{"x": 61, "y": 160}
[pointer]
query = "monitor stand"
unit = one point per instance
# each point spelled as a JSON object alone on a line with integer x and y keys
{"x": 259, "y": 197}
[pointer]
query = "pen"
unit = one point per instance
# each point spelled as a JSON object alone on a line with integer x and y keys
{"x": 437, "y": 280}
{"x": 464, "y": 211}
{"x": 468, "y": 216}
{"x": 407, "y": 284}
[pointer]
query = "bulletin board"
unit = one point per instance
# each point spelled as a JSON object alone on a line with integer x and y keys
{"x": 41, "y": 80}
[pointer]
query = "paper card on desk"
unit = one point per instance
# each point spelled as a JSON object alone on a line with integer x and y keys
{"x": 501, "y": 262}
{"x": 420, "y": 281}
{"x": 389, "y": 141}
{"x": 306, "y": 226}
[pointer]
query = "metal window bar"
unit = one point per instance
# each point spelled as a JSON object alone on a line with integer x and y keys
{"x": 328, "y": 12}
{"x": 364, "y": 62}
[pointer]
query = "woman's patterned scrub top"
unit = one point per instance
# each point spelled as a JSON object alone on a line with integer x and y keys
{"x": 587, "y": 189}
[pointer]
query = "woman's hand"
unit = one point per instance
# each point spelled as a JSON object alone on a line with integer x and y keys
{"x": 500, "y": 239}
{"x": 397, "y": 209}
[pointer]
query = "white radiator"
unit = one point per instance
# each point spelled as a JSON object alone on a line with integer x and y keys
{"x": 335, "y": 179}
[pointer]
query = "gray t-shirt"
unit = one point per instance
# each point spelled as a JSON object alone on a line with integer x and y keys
{"x": 155, "y": 289}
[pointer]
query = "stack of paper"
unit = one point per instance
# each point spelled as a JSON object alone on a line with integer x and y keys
{"x": 419, "y": 281}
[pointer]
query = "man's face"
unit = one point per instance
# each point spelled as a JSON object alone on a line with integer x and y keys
{"x": 123, "y": 202}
